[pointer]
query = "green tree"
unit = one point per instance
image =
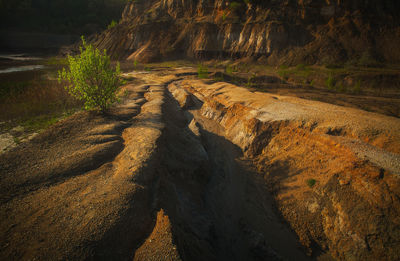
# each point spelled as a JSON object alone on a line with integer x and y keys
{"x": 91, "y": 78}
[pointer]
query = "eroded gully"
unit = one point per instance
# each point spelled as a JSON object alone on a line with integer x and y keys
{"x": 219, "y": 206}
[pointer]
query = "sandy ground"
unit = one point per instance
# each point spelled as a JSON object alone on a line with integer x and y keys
{"x": 185, "y": 169}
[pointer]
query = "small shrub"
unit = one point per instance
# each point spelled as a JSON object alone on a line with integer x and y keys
{"x": 224, "y": 16}
{"x": 16, "y": 140}
{"x": 250, "y": 80}
{"x": 330, "y": 82}
{"x": 311, "y": 182}
{"x": 91, "y": 78}
{"x": 202, "y": 71}
{"x": 229, "y": 70}
{"x": 112, "y": 24}
{"x": 284, "y": 74}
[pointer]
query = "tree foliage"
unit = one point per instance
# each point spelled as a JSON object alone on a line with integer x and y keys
{"x": 91, "y": 78}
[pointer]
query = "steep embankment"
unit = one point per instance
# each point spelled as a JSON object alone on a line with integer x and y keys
{"x": 191, "y": 170}
{"x": 291, "y": 32}
{"x": 351, "y": 155}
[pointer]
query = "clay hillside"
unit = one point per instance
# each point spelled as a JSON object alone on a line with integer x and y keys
{"x": 275, "y": 31}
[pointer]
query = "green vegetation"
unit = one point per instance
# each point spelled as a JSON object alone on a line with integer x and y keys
{"x": 43, "y": 121}
{"x": 202, "y": 71}
{"x": 310, "y": 182}
{"x": 12, "y": 89}
{"x": 91, "y": 78}
{"x": 283, "y": 72}
{"x": 224, "y": 16}
{"x": 250, "y": 80}
{"x": 28, "y": 95}
{"x": 235, "y": 5}
{"x": 56, "y": 61}
{"x": 112, "y": 24}
{"x": 17, "y": 140}
{"x": 330, "y": 82}
{"x": 229, "y": 69}
{"x": 300, "y": 67}
{"x": 300, "y": 71}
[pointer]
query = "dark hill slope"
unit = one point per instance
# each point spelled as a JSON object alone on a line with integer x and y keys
{"x": 286, "y": 31}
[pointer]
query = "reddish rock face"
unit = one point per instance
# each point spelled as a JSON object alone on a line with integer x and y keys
{"x": 290, "y": 32}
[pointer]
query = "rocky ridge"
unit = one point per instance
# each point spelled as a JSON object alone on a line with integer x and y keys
{"x": 277, "y": 32}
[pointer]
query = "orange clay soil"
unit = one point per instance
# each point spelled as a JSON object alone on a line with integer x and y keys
{"x": 187, "y": 170}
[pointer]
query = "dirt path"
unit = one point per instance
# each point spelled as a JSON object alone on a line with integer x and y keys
{"x": 187, "y": 170}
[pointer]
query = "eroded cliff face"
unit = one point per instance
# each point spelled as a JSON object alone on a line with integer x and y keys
{"x": 286, "y": 31}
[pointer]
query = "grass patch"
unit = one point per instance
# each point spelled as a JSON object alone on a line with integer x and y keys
{"x": 300, "y": 67}
{"x": 229, "y": 70}
{"x": 311, "y": 182}
{"x": 224, "y": 16}
{"x": 233, "y": 6}
{"x": 250, "y": 80}
{"x": 56, "y": 61}
{"x": 16, "y": 140}
{"x": 44, "y": 121}
{"x": 300, "y": 73}
{"x": 112, "y": 24}
{"x": 284, "y": 74}
{"x": 202, "y": 71}
{"x": 28, "y": 95}
{"x": 330, "y": 82}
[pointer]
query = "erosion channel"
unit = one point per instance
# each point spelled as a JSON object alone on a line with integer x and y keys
{"x": 189, "y": 169}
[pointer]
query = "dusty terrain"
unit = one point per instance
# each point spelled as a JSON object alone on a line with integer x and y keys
{"x": 187, "y": 169}
{"x": 383, "y": 100}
